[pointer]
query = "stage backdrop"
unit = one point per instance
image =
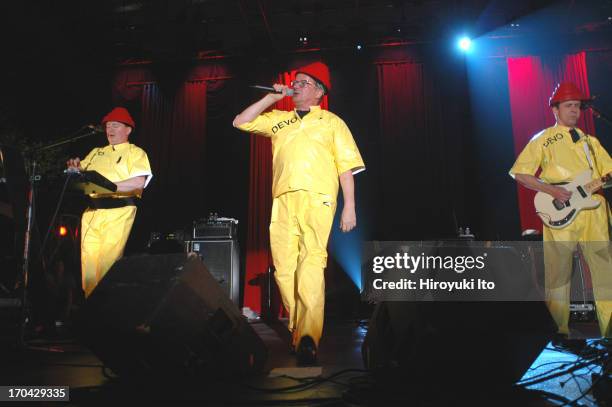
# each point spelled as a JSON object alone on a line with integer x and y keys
{"x": 410, "y": 117}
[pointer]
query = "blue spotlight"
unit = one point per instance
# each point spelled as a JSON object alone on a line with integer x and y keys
{"x": 346, "y": 250}
{"x": 465, "y": 44}
{"x": 346, "y": 247}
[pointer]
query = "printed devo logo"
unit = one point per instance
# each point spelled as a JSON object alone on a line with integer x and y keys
{"x": 282, "y": 124}
{"x": 551, "y": 140}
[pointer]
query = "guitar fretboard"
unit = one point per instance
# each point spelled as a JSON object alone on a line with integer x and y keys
{"x": 596, "y": 184}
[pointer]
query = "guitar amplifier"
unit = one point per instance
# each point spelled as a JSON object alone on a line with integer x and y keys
{"x": 222, "y": 259}
{"x": 215, "y": 228}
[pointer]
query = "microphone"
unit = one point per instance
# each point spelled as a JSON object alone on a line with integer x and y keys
{"x": 271, "y": 89}
{"x": 587, "y": 104}
{"x": 96, "y": 128}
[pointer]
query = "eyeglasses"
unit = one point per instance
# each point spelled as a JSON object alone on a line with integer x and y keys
{"x": 114, "y": 125}
{"x": 301, "y": 83}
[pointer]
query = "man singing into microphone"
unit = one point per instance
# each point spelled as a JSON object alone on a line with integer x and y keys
{"x": 106, "y": 223}
{"x": 312, "y": 150}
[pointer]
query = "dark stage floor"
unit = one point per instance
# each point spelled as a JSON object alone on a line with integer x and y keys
{"x": 63, "y": 361}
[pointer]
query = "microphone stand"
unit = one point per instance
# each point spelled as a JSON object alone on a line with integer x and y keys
{"x": 601, "y": 115}
{"x": 33, "y": 179}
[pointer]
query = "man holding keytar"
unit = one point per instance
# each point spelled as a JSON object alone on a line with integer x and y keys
{"x": 107, "y": 222}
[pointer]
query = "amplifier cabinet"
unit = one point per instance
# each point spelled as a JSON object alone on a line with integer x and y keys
{"x": 214, "y": 230}
{"x": 222, "y": 259}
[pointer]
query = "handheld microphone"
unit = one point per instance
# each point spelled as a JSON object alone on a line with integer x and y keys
{"x": 271, "y": 89}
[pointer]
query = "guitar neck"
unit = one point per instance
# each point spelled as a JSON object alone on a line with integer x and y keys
{"x": 596, "y": 184}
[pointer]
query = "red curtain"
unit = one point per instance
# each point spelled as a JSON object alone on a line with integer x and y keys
{"x": 258, "y": 255}
{"x": 418, "y": 150}
{"x": 402, "y": 130}
{"x": 401, "y": 97}
{"x": 172, "y": 130}
{"x": 531, "y": 80}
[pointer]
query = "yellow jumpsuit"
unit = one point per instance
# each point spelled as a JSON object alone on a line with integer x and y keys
{"x": 104, "y": 232}
{"x": 308, "y": 154}
{"x": 561, "y": 159}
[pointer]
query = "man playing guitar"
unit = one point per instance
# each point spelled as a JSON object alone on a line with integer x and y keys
{"x": 562, "y": 152}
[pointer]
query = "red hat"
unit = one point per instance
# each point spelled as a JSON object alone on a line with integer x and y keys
{"x": 319, "y": 72}
{"x": 566, "y": 91}
{"x": 119, "y": 114}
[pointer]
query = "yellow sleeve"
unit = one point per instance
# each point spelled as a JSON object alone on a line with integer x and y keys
{"x": 262, "y": 124}
{"x": 529, "y": 160}
{"x": 139, "y": 164}
{"x": 87, "y": 160}
{"x": 346, "y": 153}
{"x": 604, "y": 162}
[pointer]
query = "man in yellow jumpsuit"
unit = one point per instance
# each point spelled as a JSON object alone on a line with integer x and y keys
{"x": 562, "y": 152}
{"x": 106, "y": 223}
{"x": 312, "y": 149}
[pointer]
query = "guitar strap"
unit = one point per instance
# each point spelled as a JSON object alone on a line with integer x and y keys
{"x": 588, "y": 154}
{"x": 588, "y": 149}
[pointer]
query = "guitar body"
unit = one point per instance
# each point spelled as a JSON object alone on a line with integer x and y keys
{"x": 558, "y": 215}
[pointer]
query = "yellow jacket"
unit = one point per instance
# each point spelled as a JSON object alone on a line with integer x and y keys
{"x": 559, "y": 157}
{"x": 119, "y": 162}
{"x": 310, "y": 153}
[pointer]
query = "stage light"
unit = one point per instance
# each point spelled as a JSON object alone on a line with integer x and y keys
{"x": 346, "y": 248}
{"x": 62, "y": 231}
{"x": 359, "y": 47}
{"x": 465, "y": 44}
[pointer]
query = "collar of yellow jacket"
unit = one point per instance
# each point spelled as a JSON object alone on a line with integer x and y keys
{"x": 119, "y": 147}
{"x": 315, "y": 110}
{"x": 558, "y": 126}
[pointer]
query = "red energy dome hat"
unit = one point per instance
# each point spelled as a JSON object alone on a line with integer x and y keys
{"x": 319, "y": 72}
{"x": 119, "y": 114}
{"x": 566, "y": 91}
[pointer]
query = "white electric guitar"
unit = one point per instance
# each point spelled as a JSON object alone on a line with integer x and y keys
{"x": 557, "y": 214}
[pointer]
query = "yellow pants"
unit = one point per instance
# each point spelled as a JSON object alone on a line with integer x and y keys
{"x": 104, "y": 233}
{"x": 590, "y": 231}
{"x": 299, "y": 230}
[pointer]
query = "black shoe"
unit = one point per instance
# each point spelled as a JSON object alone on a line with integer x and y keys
{"x": 306, "y": 352}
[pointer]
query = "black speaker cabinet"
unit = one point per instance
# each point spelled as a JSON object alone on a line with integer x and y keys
{"x": 485, "y": 345}
{"x": 222, "y": 259}
{"x": 463, "y": 345}
{"x": 165, "y": 315}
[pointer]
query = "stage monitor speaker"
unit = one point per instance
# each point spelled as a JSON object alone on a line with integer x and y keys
{"x": 166, "y": 316}
{"x": 463, "y": 346}
{"x": 222, "y": 259}
{"x": 484, "y": 345}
